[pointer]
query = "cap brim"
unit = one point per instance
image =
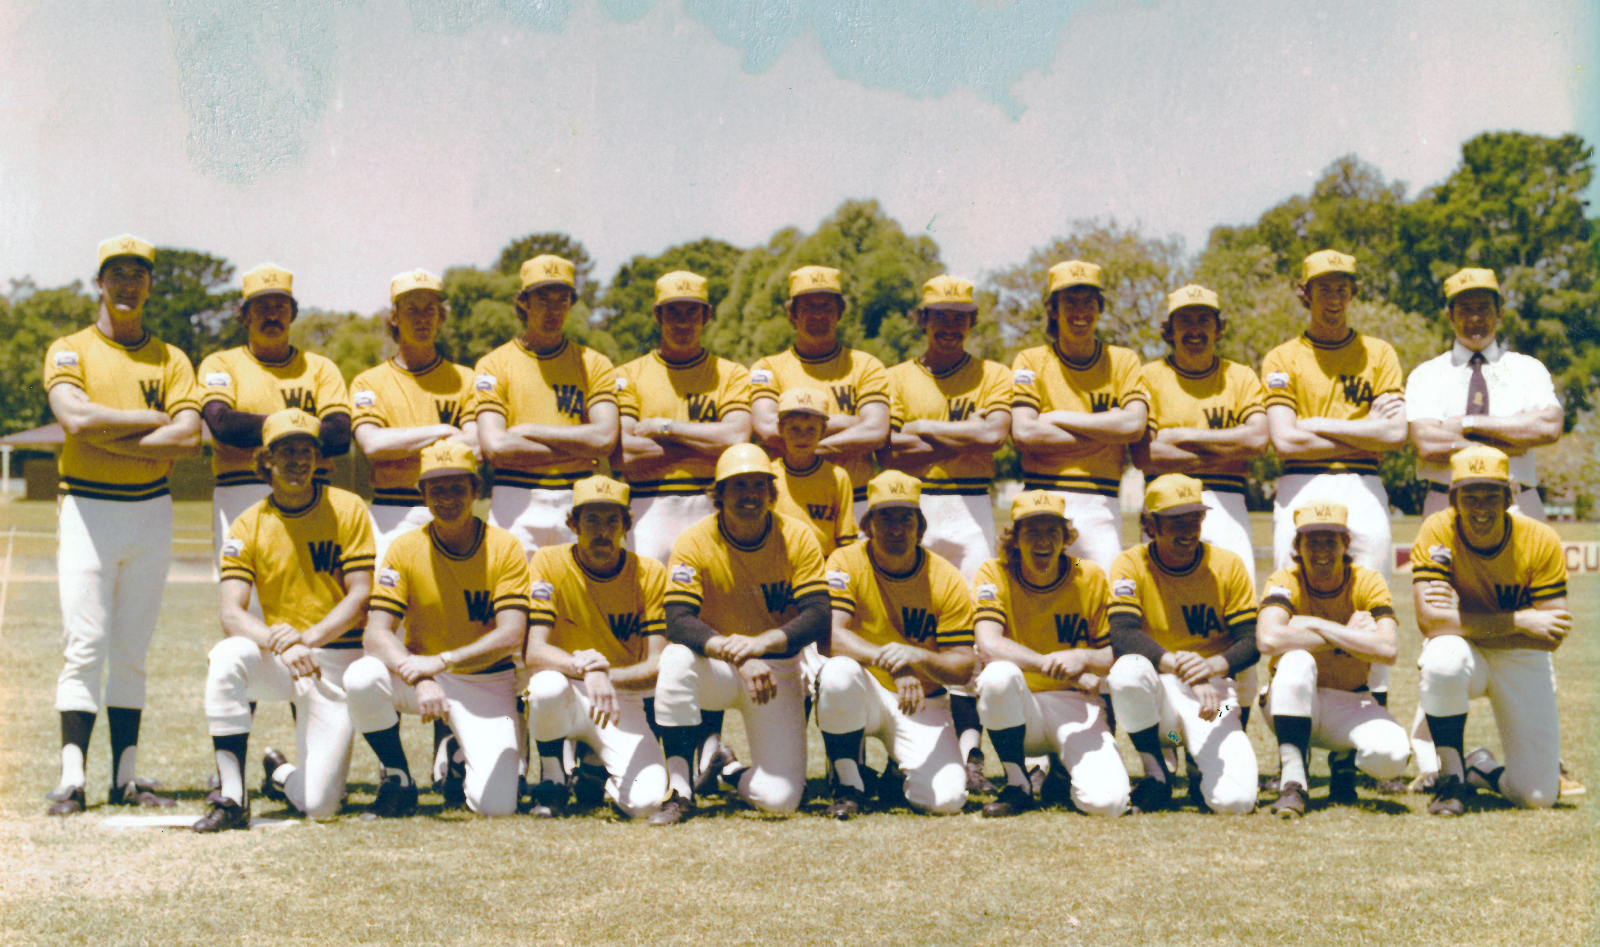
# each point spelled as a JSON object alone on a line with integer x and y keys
{"x": 811, "y": 411}
{"x": 540, "y": 284}
{"x": 416, "y": 289}
{"x": 1034, "y": 514}
{"x": 1322, "y": 528}
{"x": 1063, "y": 286}
{"x": 313, "y": 438}
{"x": 1179, "y": 510}
{"x": 813, "y": 292}
{"x": 1469, "y": 481}
{"x": 129, "y": 256}
{"x": 953, "y": 307}
{"x": 893, "y": 504}
{"x": 274, "y": 291}
{"x": 682, "y": 299}
{"x": 441, "y": 472}
{"x": 597, "y": 500}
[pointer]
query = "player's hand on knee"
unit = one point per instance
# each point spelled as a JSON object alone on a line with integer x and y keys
{"x": 1441, "y": 595}
{"x": 430, "y": 701}
{"x": 1210, "y": 700}
{"x": 1062, "y": 665}
{"x": 737, "y": 649}
{"x": 909, "y": 690}
{"x": 414, "y": 668}
{"x": 281, "y": 636}
{"x": 896, "y": 657}
{"x": 1190, "y": 668}
{"x": 758, "y": 680}
{"x": 602, "y": 698}
{"x": 588, "y": 661}
{"x": 300, "y": 661}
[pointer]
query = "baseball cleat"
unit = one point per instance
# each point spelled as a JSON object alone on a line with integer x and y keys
{"x": 707, "y": 780}
{"x": 1056, "y": 787}
{"x": 222, "y": 815}
{"x": 1390, "y": 787}
{"x": 977, "y": 783}
{"x": 588, "y": 785}
{"x": 1423, "y": 783}
{"x": 1447, "y": 794}
{"x": 66, "y": 800}
{"x": 673, "y": 811}
{"x": 1013, "y": 800}
{"x": 1482, "y": 769}
{"x": 549, "y": 801}
{"x": 1270, "y": 784}
{"x": 847, "y": 802}
{"x": 891, "y": 790}
{"x": 1151, "y": 795}
{"x": 270, "y": 761}
{"x": 1569, "y": 786}
{"x": 394, "y": 800}
{"x": 1291, "y": 802}
{"x": 139, "y": 792}
{"x": 1341, "y": 779}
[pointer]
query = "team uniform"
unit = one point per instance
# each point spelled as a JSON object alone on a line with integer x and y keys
{"x": 1330, "y": 686}
{"x": 852, "y": 379}
{"x": 821, "y": 497}
{"x": 955, "y": 492}
{"x": 614, "y": 615}
{"x": 744, "y": 589}
{"x": 1059, "y": 718}
{"x": 296, "y": 562}
{"x": 390, "y": 396}
{"x": 1089, "y": 475}
{"x": 115, "y": 527}
{"x": 1201, "y": 609}
{"x": 931, "y": 608}
{"x": 671, "y": 497}
{"x": 556, "y": 389}
{"x": 1526, "y": 568}
{"x": 447, "y": 601}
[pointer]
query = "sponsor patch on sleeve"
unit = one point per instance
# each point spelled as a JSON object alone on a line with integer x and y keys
{"x": 1124, "y": 588}
{"x": 1277, "y": 591}
{"x": 838, "y": 580}
{"x": 366, "y": 399}
{"x": 218, "y": 379}
{"x": 622, "y": 382}
{"x": 1023, "y": 376}
{"x": 233, "y": 547}
{"x": 388, "y": 578}
{"x": 542, "y": 592}
{"x": 484, "y": 383}
{"x": 683, "y": 573}
{"x": 1277, "y": 379}
{"x": 66, "y": 359}
{"x": 1440, "y": 554}
{"x": 988, "y": 592}
{"x": 761, "y": 376}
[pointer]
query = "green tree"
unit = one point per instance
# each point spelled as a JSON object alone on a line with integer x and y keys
{"x": 190, "y": 305}
{"x": 483, "y": 316}
{"x": 354, "y": 342}
{"x": 526, "y": 248}
{"x": 30, "y": 319}
{"x": 628, "y": 306}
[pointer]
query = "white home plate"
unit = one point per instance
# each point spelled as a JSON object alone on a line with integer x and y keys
{"x": 177, "y": 822}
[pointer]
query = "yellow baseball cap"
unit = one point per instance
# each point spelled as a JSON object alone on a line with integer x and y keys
{"x": 1192, "y": 295}
{"x": 266, "y": 279}
{"x": 1479, "y": 463}
{"x": 803, "y": 401}
{"x": 547, "y": 269}
{"x": 1324, "y": 515}
{"x": 893, "y": 488}
{"x": 290, "y": 422}
{"x": 1074, "y": 273}
{"x": 743, "y": 458}
{"x": 1172, "y": 495}
{"x": 447, "y": 459}
{"x": 412, "y": 280}
{"x": 1037, "y": 503}
{"x": 815, "y": 279}
{"x": 948, "y": 292}
{"x": 681, "y": 286}
{"x": 598, "y": 489}
{"x": 1471, "y": 278}
{"x": 126, "y": 245}
{"x": 1324, "y": 262}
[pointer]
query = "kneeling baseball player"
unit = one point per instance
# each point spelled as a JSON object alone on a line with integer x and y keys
{"x": 1043, "y": 633}
{"x": 596, "y": 635}
{"x": 449, "y": 611}
{"x": 306, "y": 549}
{"x": 1326, "y": 621}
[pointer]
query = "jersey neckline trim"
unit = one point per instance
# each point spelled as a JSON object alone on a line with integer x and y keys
{"x": 477, "y": 542}
{"x": 316, "y": 498}
{"x": 691, "y": 363}
{"x": 816, "y": 465}
{"x": 838, "y": 347}
{"x": 1350, "y": 336}
{"x": 1099, "y": 350}
{"x": 622, "y": 563}
{"x": 1491, "y": 552}
{"x": 1216, "y": 365}
{"x": 1068, "y": 564}
{"x": 418, "y": 372}
{"x": 293, "y": 351}
{"x": 1155, "y": 560}
{"x": 722, "y": 527}
{"x": 966, "y": 359}
{"x": 556, "y": 352}
{"x": 134, "y": 347}
{"x": 922, "y": 560}
{"x": 1344, "y": 583}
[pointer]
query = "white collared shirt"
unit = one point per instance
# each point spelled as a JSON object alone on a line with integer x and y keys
{"x": 1437, "y": 391}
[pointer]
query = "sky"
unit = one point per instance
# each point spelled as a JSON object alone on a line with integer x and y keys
{"x": 349, "y": 141}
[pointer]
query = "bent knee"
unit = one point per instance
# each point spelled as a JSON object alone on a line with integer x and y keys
{"x": 1105, "y": 804}
{"x": 547, "y": 686}
{"x": 837, "y": 674}
{"x": 366, "y": 674}
{"x": 998, "y": 676}
{"x": 1445, "y": 656}
{"x": 1132, "y": 672}
{"x": 232, "y": 651}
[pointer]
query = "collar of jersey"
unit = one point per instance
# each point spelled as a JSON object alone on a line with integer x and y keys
{"x": 816, "y": 462}
{"x": 1155, "y": 561}
{"x": 316, "y": 497}
{"x": 819, "y": 359}
{"x": 261, "y": 361}
{"x": 419, "y": 372}
{"x": 143, "y": 339}
{"x": 1216, "y": 363}
{"x": 1344, "y": 583}
{"x": 1349, "y": 336}
{"x": 722, "y": 527}
{"x": 545, "y": 356}
{"x": 922, "y": 560}
{"x": 1490, "y": 553}
{"x": 1067, "y": 565}
{"x": 622, "y": 563}
{"x": 1460, "y": 355}
{"x": 966, "y": 358}
{"x": 477, "y": 541}
{"x": 705, "y": 353}
{"x": 1099, "y": 348}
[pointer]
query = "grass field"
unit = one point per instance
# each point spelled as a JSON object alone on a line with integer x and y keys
{"x": 1384, "y": 873}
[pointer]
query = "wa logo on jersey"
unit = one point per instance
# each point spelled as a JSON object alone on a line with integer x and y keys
{"x": 625, "y": 626}
{"x": 478, "y": 608}
{"x": 1218, "y": 418}
{"x": 1511, "y": 598}
{"x": 152, "y": 394}
{"x": 819, "y": 512}
{"x": 1202, "y": 620}
{"x": 960, "y": 408}
{"x": 845, "y": 397}
{"x": 569, "y": 400}
{"x": 776, "y": 595}
{"x": 299, "y": 398}
{"x": 918, "y": 624}
{"x": 1100, "y": 402}
{"x": 701, "y": 408}
{"x": 1357, "y": 390}
{"x": 325, "y": 556}
{"x": 1071, "y": 629}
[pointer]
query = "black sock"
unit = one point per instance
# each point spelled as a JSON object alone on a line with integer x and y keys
{"x": 650, "y": 717}
{"x": 77, "y": 726}
{"x": 253, "y": 710}
{"x": 391, "y": 754}
{"x": 964, "y": 713}
{"x": 441, "y": 733}
{"x": 1295, "y": 731}
{"x": 1382, "y": 697}
{"x": 681, "y": 742}
{"x": 1244, "y": 718}
{"x": 123, "y": 723}
{"x": 1111, "y": 714}
{"x": 1008, "y": 745}
{"x": 552, "y": 748}
{"x": 843, "y": 746}
{"x": 1148, "y": 743}
{"x": 1449, "y": 733}
{"x": 710, "y": 725}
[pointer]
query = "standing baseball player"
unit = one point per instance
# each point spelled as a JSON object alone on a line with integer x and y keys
{"x": 307, "y": 551}
{"x": 546, "y": 410}
{"x": 681, "y": 408}
{"x": 902, "y": 634}
{"x": 1491, "y": 599}
{"x": 239, "y": 387}
{"x": 598, "y": 629}
{"x": 746, "y": 595}
{"x": 1325, "y": 621}
{"x": 857, "y": 386}
{"x": 1183, "y": 627}
{"x": 127, "y": 403}
{"x": 814, "y": 491}
{"x": 1071, "y": 417}
{"x": 460, "y": 587}
{"x": 1043, "y": 631}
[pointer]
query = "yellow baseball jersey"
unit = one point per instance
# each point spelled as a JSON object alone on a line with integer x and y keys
{"x": 929, "y": 607}
{"x": 966, "y": 392}
{"x": 1338, "y": 380}
{"x": 1184, "y": 610}
{"x": 703, "y": 390}
{"x": 297, "y": 559}
{"x": 238, "y": 379}
{"x": 1069, "y": 613}
{"x": 821, "y": 497}
{"x": 148, "y": 374}
{"x": 449, "y": 601}
{"x": 745, "y": 589}
{"x": 1223, "y": 396}
{"x": 614, "y": 615}
{"x": 1363, "y": 590}
{"x": 390, "y": 396}
{"x": 1526, "y": 568}
{"x": 852, "y": 379}
{"x": 1045, "y": 380}
{"x": 557, "y": 389}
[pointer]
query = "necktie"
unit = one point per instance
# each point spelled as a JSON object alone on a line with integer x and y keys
{"x": 1477, "y": 388}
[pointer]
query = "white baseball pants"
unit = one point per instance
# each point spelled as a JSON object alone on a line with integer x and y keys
{"x": 112, "y": 563}
{"x": 536, "y": 517}
{"x": 1069, "y": 723}
{"x": 1228, "y": 770}
{"x": 658, "y": 521}
{"x": 559, "y": 708}
{"x": 391, "y": 522}
{"x": 686, "y": 683}
{"x": 1340, "y": 720}
{"x": 241, "y": 672}
{"x": 924, "y": 744}
{"x": 1098, "y": 521}
{"x": 961, "y": 529}
{"x": 482, "y": 714}
{"x": 1227, "y": 526}
{"x": 227, "y": 503}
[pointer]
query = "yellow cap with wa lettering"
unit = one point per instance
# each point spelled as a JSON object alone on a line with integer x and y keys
{"x": 815, "y": 279}
{"x": 266, "y": 279}
{"x": 893, "y": 488}
{"x": 1471, "y": 278}
{"x": 681, "y": 286}
{"x": 1315, "y": 515}
{"x": 598, "y": 489}
{"x": 447, "y": 458}
{"x": 1192, "y": 295}
{"x": 290, "y": 422}
{"x": 1074, "y": 273}
{"x": 803, "y": 401}
{"x": 742, "y": 459}
{"x": 1479, "y": 463}
{"x": 126, "y": 245}
{"x": 1324, "y": 262}
{"x": 948, "y": 292}
{"x": 547, "y": 269}
{"x": 1037, "y": 503}
{"x": 1172, "y": 495}
{"x": 412, "y": 280}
